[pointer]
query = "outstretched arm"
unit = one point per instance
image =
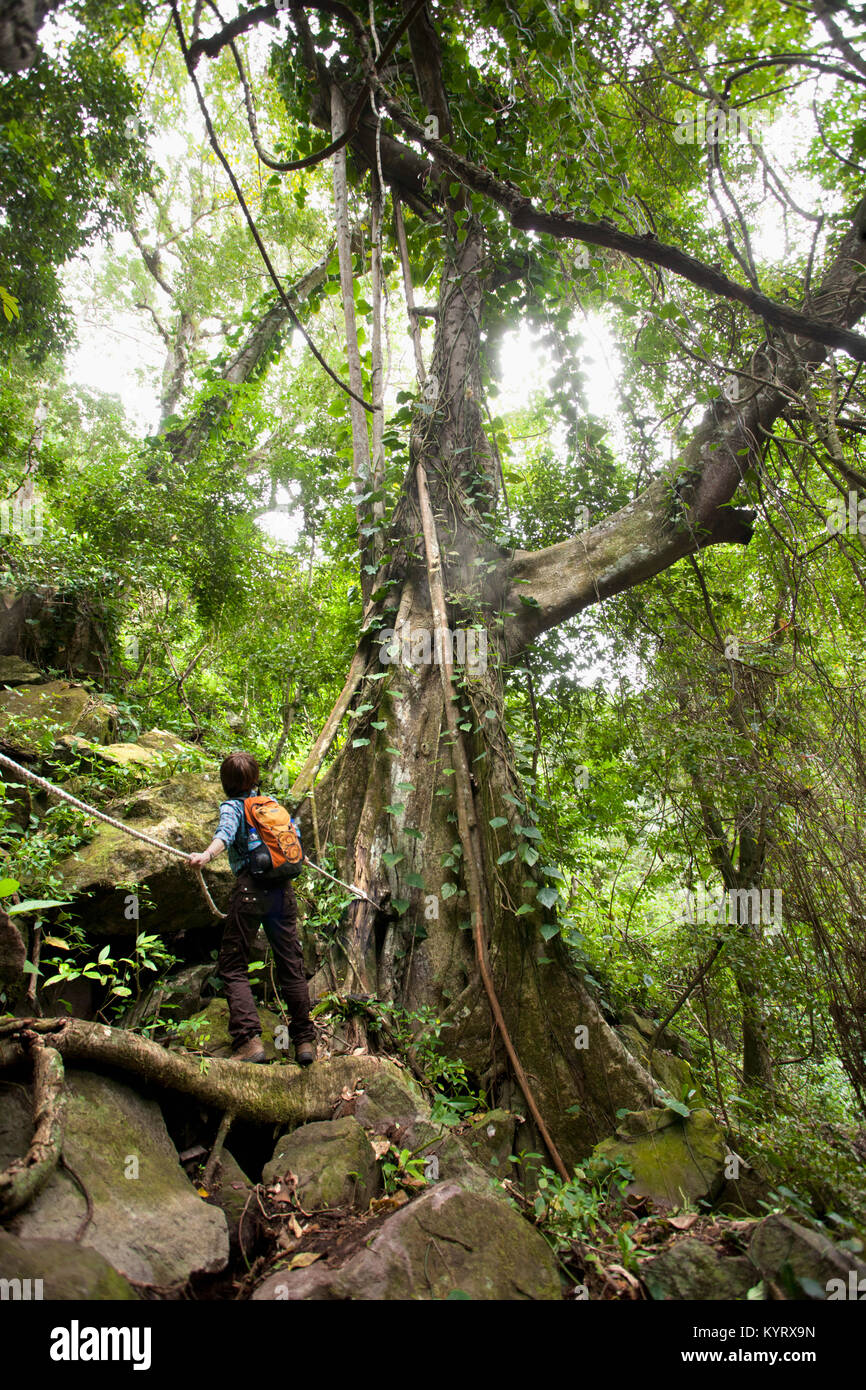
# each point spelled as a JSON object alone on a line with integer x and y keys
{"x": 215, "y": 847}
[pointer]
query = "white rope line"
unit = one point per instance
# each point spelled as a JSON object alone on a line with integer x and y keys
{"x": 109, "y": 820}
{"x": 149, "y": 839}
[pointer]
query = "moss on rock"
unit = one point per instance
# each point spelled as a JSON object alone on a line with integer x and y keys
{"x": 182, "y": 811}
{"x": 675, "y": 1161}
{"x": 333, "y": 1161}
{"x": 33, "y": 717}
{"x": 68, "y": 1271}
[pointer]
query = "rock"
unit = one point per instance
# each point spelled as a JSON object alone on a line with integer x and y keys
{"x": 489, "y": 1140}
{"x": 389, "y": 1099}
{"x": 672, "y": 1073}
{"x": 15, "y": 671}
{"x": 743, "y": 1195}
{"x": 16, "y": 801}
{"x": 646, "y": 1027}
{"x": 60, "y": 628}
{"x": 447, "y": 1241}
{"x": 90, "y": 757}
{"x": 174, "y": 999}
{"x": 182, "y": 811}
{"x": 692, "y": 1270}
{"x": 67, "y": 1270}
{"x": 151, "y": 755}
{"x": 161, "y": 741}
{"x": 447, "y": 1160}
{"x": 333, "y": 1161}
{"x": 674, "y": 1160}
{"x": 152, "y": 1227}
{"x": 230, "y": 1194}
{"x": 33, "y": 717}
{"x": 787, "y": 1253}
{"x": 212, "y": 1031}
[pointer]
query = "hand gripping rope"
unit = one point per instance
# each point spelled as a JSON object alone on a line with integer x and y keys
{"x": 150, "y": 839}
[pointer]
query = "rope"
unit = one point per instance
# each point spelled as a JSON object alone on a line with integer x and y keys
{"x": 149, "y": 839}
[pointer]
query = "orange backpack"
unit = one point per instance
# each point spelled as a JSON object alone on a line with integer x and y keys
{"x": 280, "y": 854}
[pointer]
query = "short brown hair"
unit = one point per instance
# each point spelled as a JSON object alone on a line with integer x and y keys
{"x": 239, "y": 773}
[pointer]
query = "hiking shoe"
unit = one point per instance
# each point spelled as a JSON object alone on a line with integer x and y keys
{"x": 250, "y": 1051}
{"x": 305, "y": 1054}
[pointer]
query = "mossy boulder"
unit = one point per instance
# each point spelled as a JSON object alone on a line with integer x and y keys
{"x": 333, "y": 1161}
{"x": 647, "y": 1027}
{"x": 14, "y": 670}
{"x": 446, "y": 1159}
{"x": 393, "y": 1098}
{"x": 147, "y": 1221}
{"x": 447, "y": 1242}
{"x": 163, "y": 741}
{"x": 675, "y": 1161}
{"x": 209, "y": 1031}
{"x": 231, "y": 1192}
{"x": 743, "y": 1195}
{"x": 34, "y": 717}
{"x": 803, "y": 1263}
{"x": 16, "y": 799}
{"x": 68, "y": 1271}
{"x": 693, "y": 1270}
{"x": 181, "y": 811}
{"x": 152, "y": 753}
{"x": 174, "y": 999}
{"x": 489, "y": 1140}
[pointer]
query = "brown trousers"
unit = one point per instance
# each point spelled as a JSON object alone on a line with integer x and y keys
{"x": 252, "y": 905}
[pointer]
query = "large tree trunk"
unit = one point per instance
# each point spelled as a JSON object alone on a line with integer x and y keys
{"x": 391, "y": 792}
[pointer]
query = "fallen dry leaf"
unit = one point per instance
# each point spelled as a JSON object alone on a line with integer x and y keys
{"x": 625, "y": 1274}
{"x": 306, "y": 1257}
{"x": 399, "y": 1199}
{"x": 295, "y": 1225}
{"x": 381, "y": 1147}
{"x": 683, "y": 1223}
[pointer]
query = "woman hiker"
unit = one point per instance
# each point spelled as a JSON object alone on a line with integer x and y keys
{"x": 256, "y": 902}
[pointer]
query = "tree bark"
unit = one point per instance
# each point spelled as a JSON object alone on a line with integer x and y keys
{"x": 20, "y": 22}
{"x": 25, "y": 1177}
{"x": 284, "y": 1095}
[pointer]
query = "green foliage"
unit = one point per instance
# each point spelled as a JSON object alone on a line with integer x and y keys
{"x": 587, "y": 1210}
{"x": 68, "y": 158}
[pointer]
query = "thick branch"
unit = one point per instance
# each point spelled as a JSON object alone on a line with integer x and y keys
{"x": 186, "y": 442}
{"x": 20, "y": 21}
{"x": 525, "y": 216}
{"x": 264, "y": 1095}
{"x": 688, "y": 507}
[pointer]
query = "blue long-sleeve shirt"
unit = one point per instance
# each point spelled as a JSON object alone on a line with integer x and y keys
{"x": 238, "y": 837}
